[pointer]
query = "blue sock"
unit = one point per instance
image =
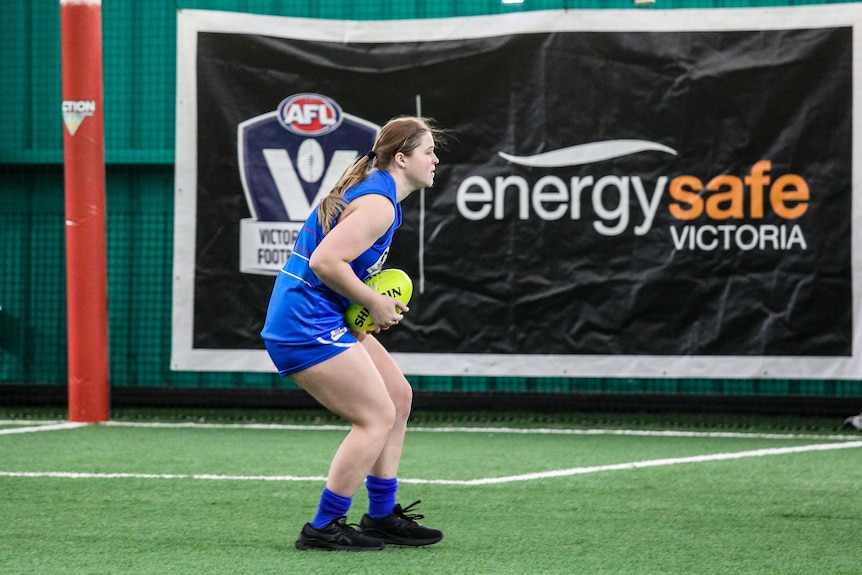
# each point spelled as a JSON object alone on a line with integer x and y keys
{"x": 332, "y": 506}
{"x": 381, "y": 496}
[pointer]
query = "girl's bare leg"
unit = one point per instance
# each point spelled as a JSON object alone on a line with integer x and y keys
{"x": 351, "y": 386}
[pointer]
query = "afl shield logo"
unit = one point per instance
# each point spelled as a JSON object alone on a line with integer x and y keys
{"x": 309, "y": 114}
{"x": 288, "y": 160}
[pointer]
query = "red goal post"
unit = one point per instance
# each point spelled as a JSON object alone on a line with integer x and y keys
{"x": 84, "y": 175}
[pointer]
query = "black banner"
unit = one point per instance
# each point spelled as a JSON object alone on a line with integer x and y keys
{"x": 603, "y": 194}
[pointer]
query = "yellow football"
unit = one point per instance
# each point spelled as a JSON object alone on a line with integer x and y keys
{"x": 392, "y": 282}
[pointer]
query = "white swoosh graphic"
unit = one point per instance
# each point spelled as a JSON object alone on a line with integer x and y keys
{"x": 587, "y": 153}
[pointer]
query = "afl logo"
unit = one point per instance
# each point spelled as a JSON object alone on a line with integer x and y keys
{"x": 309, "y": 114}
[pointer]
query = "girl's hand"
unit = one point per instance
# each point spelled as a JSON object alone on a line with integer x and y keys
{"x": 386, "y": 311}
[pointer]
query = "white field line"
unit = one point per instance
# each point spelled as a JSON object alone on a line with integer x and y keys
{"x": 31, "y": 421}
{"x": 42, "y": 427}
{"x": 639, "y": 464}
{"x": 465, "y": 482}
{"x": 845, "y": 444}
{"x": 84, "y": 475}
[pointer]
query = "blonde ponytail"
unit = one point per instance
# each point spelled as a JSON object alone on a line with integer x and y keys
{"x": 334, "y": 203}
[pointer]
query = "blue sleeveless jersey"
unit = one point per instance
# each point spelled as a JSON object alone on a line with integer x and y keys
{"x": 305, "y": 319}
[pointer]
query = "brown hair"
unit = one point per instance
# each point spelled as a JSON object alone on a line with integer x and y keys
{"x": 402, "y": 134}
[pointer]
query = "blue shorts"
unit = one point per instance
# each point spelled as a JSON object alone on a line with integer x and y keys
{"x": 290, "y": 357}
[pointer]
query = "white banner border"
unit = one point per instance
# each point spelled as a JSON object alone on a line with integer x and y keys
{"x": 191, "y": 22}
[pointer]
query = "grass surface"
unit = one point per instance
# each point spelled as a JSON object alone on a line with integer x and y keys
{"x": 217, "y": 498}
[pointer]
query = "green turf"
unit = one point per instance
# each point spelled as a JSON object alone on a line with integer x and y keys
{"x": 787, "y": 514}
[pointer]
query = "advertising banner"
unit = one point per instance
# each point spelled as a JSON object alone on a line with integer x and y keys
{"x": 622, "y": 193}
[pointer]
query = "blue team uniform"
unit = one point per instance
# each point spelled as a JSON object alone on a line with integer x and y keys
{"x": 305, "y": 319}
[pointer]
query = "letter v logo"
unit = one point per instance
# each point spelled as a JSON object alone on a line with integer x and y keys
{"x": 289, "y": 186}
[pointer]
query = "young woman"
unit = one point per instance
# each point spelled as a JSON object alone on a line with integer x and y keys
{"x": 345, "y": 240}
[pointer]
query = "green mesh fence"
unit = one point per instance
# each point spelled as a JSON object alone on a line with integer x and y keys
{"x": 139, "y": 70}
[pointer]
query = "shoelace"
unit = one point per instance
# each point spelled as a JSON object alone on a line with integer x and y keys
{"x": 404, "y": 512}
{"x": 343, "y": 525}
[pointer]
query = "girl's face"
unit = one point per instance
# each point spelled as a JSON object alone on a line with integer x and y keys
{"x": 421, "y": 163}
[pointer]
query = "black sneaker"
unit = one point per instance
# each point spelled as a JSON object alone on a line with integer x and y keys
{"x": 337, "y": 536}
{"x": 400, "y": 527}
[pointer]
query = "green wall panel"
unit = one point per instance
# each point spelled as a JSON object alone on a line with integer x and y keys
{"x": 140, "y": 68}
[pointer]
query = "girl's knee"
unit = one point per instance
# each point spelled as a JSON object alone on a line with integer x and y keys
{"x": 402, "y": 398}
{"x": 405, "y": 405}
{"x": 383, "y": 419}
{"x": 389, "y": 416}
